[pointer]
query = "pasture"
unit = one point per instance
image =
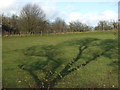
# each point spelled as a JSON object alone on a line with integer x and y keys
{"x": 71, "y": 60}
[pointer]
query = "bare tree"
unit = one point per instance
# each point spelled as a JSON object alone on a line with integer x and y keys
{"x": 59, "y": 25}
{"x": 77, "y": 26}
{"x": 115, "y": 25}
{"x": 104, "y": 25}
{"x": 31, "y": 17}
{"x": 14, "y": 23}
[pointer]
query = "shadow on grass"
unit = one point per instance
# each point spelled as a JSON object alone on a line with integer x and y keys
{"x": 51, "y": 61}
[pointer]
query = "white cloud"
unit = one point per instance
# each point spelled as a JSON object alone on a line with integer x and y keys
{"x": 50, "y": 9}
{"x": 92, "y": 18}
{"x": 4, "y": 4}
{"x": 73, "y": 16}
{"x": 108, "y": 14}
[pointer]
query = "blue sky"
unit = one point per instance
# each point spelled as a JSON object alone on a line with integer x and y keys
{"x": 87, "y": 12}
{"x": 89, "y": 6}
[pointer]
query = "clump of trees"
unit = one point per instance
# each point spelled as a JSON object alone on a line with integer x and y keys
{"x": 105, "y": 25}
{"x": 59, "y": 26}
{"x": 77, "y": 26}
{"x": 32, "y": 20}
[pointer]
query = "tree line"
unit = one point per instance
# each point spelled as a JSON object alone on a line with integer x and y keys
{"x": 32, "y": 20}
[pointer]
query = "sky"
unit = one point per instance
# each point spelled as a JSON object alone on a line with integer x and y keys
{"x": 85, "y": 11}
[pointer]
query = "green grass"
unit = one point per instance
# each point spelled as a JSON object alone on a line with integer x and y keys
{"x": 26, "y": 57}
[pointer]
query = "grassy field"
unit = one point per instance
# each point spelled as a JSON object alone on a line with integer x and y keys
{"x": 33, "y": 61}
